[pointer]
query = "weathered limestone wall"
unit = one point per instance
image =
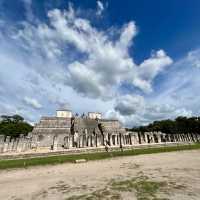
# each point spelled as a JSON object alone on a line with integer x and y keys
{"x": 51, "y": 132}
{"x": 67, "y": 141}
{"x": 8, "y": 144}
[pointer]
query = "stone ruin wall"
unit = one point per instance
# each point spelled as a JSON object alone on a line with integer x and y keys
{"x": 26, "y": 143}
{"x": 53, "y": 133}
{"x": 20, "y": 144}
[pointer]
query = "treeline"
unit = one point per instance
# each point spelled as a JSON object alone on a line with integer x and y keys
{"x": 14, "y": 126}
{"x": 179, "y": 125}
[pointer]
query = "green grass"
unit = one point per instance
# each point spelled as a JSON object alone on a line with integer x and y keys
{"x": 5, "y": 164}
{"x": 141, "y": 187}
{"x": 144, "y": 188}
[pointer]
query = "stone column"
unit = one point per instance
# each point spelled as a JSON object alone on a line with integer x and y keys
{"x": 152, "y": 138}
{"x": 133, "y": 139}
{"x": 70, "y": 141}
{"x": 172, "y": 138}
{"x": 127, "y": 140}
{"x": 6, "y": 144}
{"x": 2, "y": 138}
{"x": 176, "y": 136}
{"x": 136, "y": 138}
{"x": 158, "y": 137}
{"x": 11, "y": 145}
{"x": 25, "y": 144}
{"x": 180, "y": 138}
{"x": 88, "y": 141}
{"x": 116, "y": 140}
{"x": 124, "y": 138}
{"x": 111, "y": 140}
{"x": 130, "y": 139}
{"x": 79, "y": 142}
{"x": 96, "y": 140}
{"x": 146, "y": 139}
{"x": 102, "y": 139}
{"x": 83, "y": 140}
{"x": 92, "y": 141}
{"x": 184, "y": 138}
{"x": 55, "y": 143}
{"x": 189, "y": 137}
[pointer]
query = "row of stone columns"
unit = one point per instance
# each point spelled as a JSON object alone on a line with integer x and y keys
{"x": 190, "y": 137}
{"x": 8, "y": 144}
{"x": 158, "y": 137}
{"x": 128, "y": 139}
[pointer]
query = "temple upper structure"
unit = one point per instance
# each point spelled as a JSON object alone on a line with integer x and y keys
{"x": 64, "y": 113}
{"x": 68, "y": 131}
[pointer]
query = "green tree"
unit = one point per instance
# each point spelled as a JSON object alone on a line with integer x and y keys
{"x": 14, "y": 126}
{"x": 179, "y": 125}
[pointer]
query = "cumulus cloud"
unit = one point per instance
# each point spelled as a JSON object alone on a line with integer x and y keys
{"x": 69, "y": 60}
{"x": 150, "y": 68}
{"x": 129, "y": 104}
{"x": 104, "y": 63}
{"x": 134, "y": 110}
{"x": 32, "y": 102}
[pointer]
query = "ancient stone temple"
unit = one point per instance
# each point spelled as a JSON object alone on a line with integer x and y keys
{"x": 68, "y": 131}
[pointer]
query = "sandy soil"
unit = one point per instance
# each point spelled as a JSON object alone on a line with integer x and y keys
{"x": 180, "y": 171}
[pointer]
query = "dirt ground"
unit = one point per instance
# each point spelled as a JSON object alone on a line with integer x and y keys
{"x": 174, "y": 175}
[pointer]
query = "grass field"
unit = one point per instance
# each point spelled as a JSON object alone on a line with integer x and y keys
{"x": 20, "y": 163}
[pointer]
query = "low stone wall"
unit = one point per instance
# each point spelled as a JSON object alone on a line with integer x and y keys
{"x": 28, "y": 143}
{"x": 37, "y": 154}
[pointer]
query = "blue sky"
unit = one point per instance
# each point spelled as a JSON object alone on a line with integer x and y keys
{"x": 137, "y": 61}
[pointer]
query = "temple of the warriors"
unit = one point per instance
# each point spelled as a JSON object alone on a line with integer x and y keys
{"x": 67, "y": 131}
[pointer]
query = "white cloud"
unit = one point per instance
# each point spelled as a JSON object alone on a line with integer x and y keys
{"x": 129, "y": 104}
{"x": 74, "y": 62}
{"x": 150, "y": 68}
{"x": 100, "y": 7}
{"x": 104, "y": 63}
{"x": 32, "y": 102}
{"x": 194, "y": 58}
{"x": 134, "y": 110}
{"x": 29, "y": 13}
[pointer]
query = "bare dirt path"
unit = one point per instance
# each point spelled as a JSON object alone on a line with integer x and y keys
{"x": 174, "y": 175}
